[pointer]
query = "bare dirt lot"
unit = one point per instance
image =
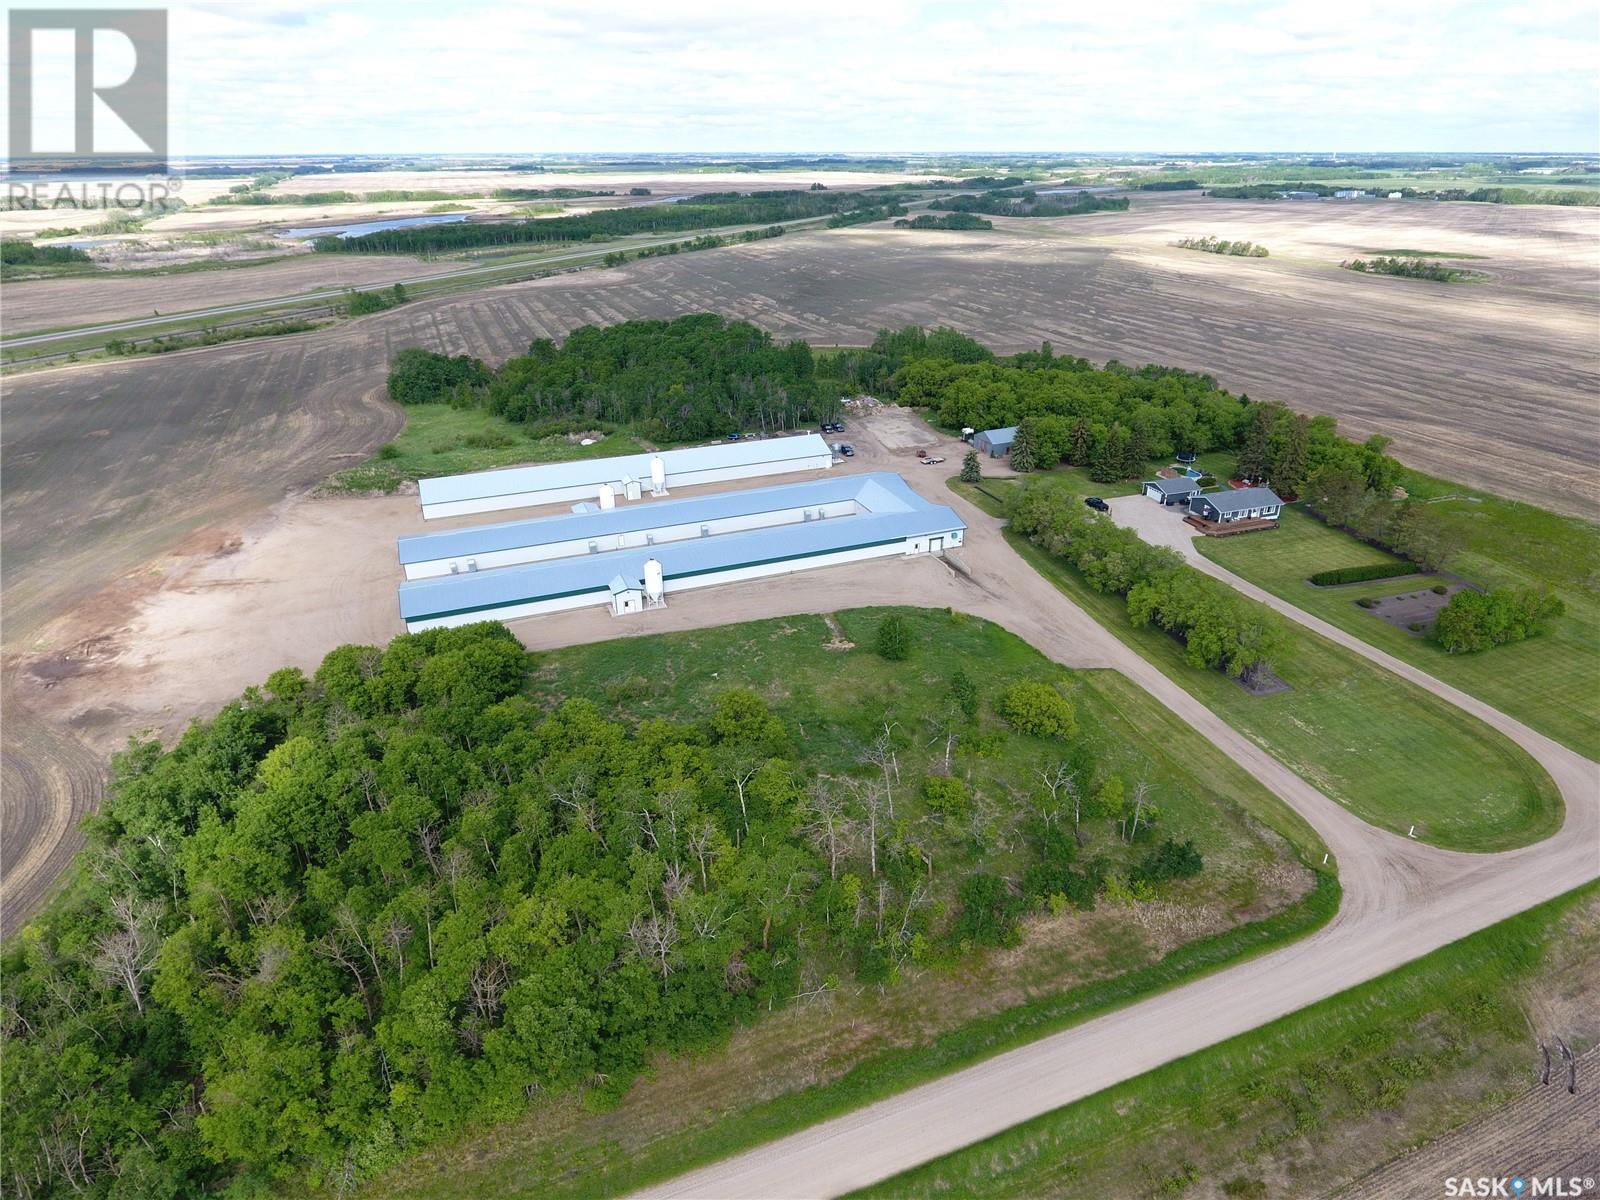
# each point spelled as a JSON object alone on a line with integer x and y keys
{"x": 112, "y": 470}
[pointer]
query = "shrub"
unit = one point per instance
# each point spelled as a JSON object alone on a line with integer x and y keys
{"x": 388, "y": 450}
{"x": 1367, "y": 602}
{"x": 946, "y": 796}
{"x": 965, "y": 694}
{"x": 1415, "y": 627}
{"x": 1039, "y": 709}
{"x": 1169, "y": 860}
{"x": 1474, "y": 621}
{"x": 894, "y": 638}
{"x": 989, "y": 911}
{"x": 1362, "y": 574}
{"x": 1439, "y": 589}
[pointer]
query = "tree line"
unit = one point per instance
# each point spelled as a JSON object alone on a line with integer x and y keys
{"x": 356, "y": 911}
{"x": 1219, "y": 628}
{"x": 1030, "y": 204}
{"x": 1475, "y": 621}
{"x": 1214, "y": 245}
{"x": 1408, "y": 268}
{"x": 713, "y": 209}
{"x": 955, "y": 220}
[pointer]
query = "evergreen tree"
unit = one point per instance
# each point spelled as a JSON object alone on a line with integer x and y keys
{"x": 1023, "y": 458}
{"x": 1255, "y": 454}
{"x": 1082, "y": 444}
{"x": 971, "y": 470}
{"x": 894, "y": 638}
{"x": 1113, "y": 458}
{"x": 1290, "y": 454}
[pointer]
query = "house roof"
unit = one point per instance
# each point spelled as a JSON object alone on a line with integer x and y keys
{"x": 481, "y": 485}
{"x": 894, "y": 513}
{"x": 1241, "y": 498}
{"x": 1180, "y": 486}
{"x": 872, "y": 491}
{"x": 1006, "y": 433}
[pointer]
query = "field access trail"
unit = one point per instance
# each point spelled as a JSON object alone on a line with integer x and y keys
{"x": 1401, "y": 900}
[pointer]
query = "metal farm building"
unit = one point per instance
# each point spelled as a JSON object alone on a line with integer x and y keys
{"x": 629, "y": 476}
{"x": 635, "y": 557}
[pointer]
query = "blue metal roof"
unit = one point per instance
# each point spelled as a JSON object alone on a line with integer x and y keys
{"x": 897, "y": 513}
{"x": 480, "y": 485}
{"x": 638, "y": 516}
{"x": 1006, "y": 433}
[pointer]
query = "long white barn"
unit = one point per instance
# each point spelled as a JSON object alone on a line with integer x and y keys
{"x": 648, "y": 552}
{"x": 627, "y": 476}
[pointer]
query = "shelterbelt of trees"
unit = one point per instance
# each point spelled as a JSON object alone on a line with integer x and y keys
{"x": 358, "y": 910}
{"x": 1030, "y": 204}
{"x": 704, "y": 212}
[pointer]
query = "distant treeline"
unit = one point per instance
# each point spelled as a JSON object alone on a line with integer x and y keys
{"x": 709, "y": 241}
{"x": 955, "y": 220}
{"x": 1028, "y": 204}
{"x": 1213, "y": 245}
{"x": 1168, "y": 185}
{"x": 713, "y": 209}
{"x": 556, "y": 193}
{"x": 863, "y": 216}
{"x": 1482, "y": 195}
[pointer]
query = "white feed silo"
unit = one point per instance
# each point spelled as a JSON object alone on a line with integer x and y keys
{"x": 654, "y": 585}
{"x": 658, "y": 476}
{"x": 608, "y": 496}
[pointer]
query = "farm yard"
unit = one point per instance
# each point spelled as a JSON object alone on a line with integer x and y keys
{"x": 164, "y": 460}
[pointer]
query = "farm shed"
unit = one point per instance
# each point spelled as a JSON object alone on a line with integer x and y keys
{"x": 995, "y": 442}
{"x": 526, "y": 568}
{"x": 1242, "y": 504}
{"x": 627, "y": 476}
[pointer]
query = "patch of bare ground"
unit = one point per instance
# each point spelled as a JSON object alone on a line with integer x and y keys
{"x": 819, "y": 1037}
{"x": 83, "y": 299}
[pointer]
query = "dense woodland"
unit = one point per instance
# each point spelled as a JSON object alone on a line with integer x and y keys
{"x": 702, "y": 212}
{"x": 358, "y": 910}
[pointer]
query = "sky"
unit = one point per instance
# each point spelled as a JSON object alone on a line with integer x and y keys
{"x": 488, "y": 76}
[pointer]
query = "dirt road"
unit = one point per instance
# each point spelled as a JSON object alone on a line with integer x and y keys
{"x": 1401, "y": 900}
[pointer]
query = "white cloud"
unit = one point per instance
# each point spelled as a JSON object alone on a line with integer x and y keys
{"x": 571, "y": 75}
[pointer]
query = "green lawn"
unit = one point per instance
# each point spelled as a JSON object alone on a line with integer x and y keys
{"x": 441, "y": 440}
{"x": 1300, "y": 1106}
{"x": 1547, "y": 682}
{"x": 810, "y": 1062}
{"x": 1384, "y": 748}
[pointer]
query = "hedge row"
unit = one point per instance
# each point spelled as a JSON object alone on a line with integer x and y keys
{"x": 1361, "y": 574}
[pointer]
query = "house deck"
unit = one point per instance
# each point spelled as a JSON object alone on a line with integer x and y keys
{"x": 1228, "y": 528}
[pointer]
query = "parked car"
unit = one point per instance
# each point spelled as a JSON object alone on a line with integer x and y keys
{"x": 1097, "y": 504}
{"x": 847, "y": 450}
{"x": 734, "y": 437}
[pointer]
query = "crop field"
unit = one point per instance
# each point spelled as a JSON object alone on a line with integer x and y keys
{"x": 40, "y": 304}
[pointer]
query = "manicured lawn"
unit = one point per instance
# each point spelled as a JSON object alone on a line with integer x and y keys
{"x": 1302, "y": 1105}
{"x": 1385, "y": 749}
{"x": 441, "y": 440}
{"x": 815, "y": 1060}
{"x": 1547, "y": 682}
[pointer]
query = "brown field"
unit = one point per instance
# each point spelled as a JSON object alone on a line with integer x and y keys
{"x": 80, "y": 300}
{"x": 118, "y": 472}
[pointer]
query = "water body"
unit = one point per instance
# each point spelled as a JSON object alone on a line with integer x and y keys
{"x": 357, "y": 228}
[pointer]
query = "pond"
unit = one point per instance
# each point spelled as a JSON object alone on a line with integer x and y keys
{"x": 357, "y": 228}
